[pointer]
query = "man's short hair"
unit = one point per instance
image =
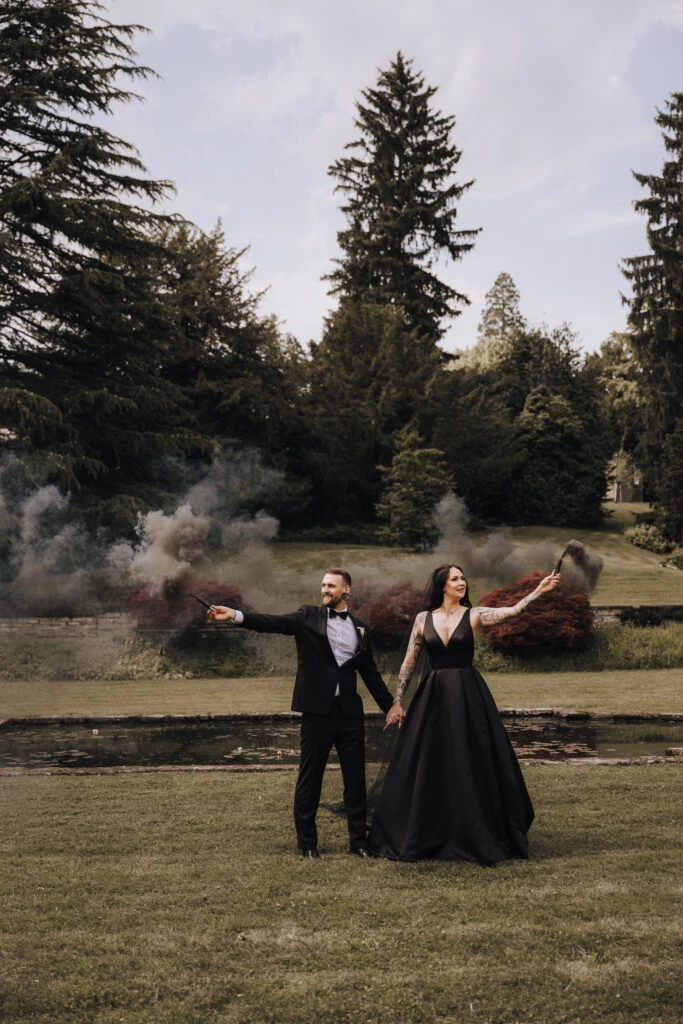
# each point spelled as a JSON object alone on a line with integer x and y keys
{"x": 340, "y": 572}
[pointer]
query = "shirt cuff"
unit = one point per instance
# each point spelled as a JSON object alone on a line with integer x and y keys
{"x": 239, "y": 617}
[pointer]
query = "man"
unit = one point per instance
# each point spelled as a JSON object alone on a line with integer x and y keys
{"x": 331, "y": 647}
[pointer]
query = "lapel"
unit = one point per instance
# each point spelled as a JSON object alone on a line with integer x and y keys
{"x": 322, "y": 630}
{"x": 361, "y": 633}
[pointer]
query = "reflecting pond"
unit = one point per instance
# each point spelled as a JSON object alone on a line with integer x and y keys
{"x": 274, "y": 740}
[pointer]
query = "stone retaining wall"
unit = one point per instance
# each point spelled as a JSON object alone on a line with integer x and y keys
{"x": 67, "y": 628}
{"x": 118, "y": 622}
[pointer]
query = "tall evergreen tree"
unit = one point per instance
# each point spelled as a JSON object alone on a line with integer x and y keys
{"x": 367, "y": 377}
{"x": 84, "y": 328}
{"x": 400, "y": 202}
{"x": 417, "y": 479}
{"x": 656, "y": 303}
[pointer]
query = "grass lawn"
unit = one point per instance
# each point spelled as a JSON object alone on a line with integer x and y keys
{"x": 179, "y": 899}
{"x": 618, "y": 691}
{"x": 630, "y": 574}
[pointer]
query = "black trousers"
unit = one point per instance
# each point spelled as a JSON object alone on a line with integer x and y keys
{"x": 319, "y": 733}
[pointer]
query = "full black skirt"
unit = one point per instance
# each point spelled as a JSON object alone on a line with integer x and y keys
{"x": 453, "y": 789}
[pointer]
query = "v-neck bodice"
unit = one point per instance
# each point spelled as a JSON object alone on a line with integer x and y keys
{"x": 458, "y": 652}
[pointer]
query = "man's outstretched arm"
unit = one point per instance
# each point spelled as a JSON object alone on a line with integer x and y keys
{"x": 289, "y": 624}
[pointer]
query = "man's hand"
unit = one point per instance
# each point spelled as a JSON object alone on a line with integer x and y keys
{"x": 220, "y": 613}
{"x": 395, "y": 715}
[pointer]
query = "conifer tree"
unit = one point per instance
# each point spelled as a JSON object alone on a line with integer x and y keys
{"x": 501, "y": 321}
{"x": 501, "y": 318}
{"x": 416, "y": 481}
{"x": 656, "y": 303}
{"x": 84, "y": 327}
{"x": 400, "y": 202}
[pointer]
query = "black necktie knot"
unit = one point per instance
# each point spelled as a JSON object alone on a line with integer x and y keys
{"x": 341, "y": 615}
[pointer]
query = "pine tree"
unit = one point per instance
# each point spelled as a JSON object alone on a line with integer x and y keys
{"x": 400, "y": 201}
{"x": 84, "y": 327}
{"x": 501, "y": 318}
{"x": 656, "y": 303}
{"x": 501, "y": 321}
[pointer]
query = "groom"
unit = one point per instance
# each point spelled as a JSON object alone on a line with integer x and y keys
{"x": 331, "y": 647}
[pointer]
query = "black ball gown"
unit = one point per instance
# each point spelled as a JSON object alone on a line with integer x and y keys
{"x": 453, "y": 788}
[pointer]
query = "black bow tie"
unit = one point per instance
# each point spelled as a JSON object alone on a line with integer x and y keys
{"x": 340, "y": 615}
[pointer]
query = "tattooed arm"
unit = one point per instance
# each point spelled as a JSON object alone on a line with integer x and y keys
{"x": 396, "y": 713}
{"x": 490, "y": 616}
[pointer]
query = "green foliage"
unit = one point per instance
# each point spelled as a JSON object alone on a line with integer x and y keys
{"x": 670, "y": 489}
{"x": 501, "y": 321}
{"x": 625, "y": 647}
{"x": 475, "y": 429}
{"x": 656, "y": 309}
{"x": 400, "y": 201}
{"x": 528, "y": 439}
{"x": 85, "y": 329}
{"x": 649, "y": 537}
{"x": 559, "y": 414}
{"x": 241, "y": 379}
{"x": 367, "y": 378}
{"x": 414, "y": 483}
{"x": 619, "y": 375}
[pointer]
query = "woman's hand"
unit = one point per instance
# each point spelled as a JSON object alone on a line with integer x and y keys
{"x": 395, "y": 715}
{"x": 548, "y": 583}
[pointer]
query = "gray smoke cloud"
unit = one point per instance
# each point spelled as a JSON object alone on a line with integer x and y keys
{"x": 51, "y": 561}
{"x": 500, "y": 561}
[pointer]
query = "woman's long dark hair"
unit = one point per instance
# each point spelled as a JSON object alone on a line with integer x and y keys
{"x": 436, "y": 584}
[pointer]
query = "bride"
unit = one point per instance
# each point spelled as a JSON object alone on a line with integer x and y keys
{"x": 453, "y": 789}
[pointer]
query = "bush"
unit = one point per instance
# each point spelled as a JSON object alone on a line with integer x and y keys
{"x": 386, "y": 609}
{"x": 675, "y": 559}
{"x": 649, "y": 537}
{"x": 651, "y": 615}
{"x": 179, "y": 611}
{"x": 560, "y": 621}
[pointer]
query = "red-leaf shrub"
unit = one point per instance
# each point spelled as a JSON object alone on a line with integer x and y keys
{"x": 147, "y": 604}
{"x": 559, "y": 621}
{"x": 387, "y": 609}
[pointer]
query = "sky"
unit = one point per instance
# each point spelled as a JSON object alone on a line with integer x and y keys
{"x": 554, "y": 103}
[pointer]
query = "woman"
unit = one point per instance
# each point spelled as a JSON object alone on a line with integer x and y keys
{"x": 453, "y": 789}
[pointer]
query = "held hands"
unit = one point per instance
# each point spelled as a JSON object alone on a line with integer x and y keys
{"x": 395, "y": 715}
{"x": 219, "y": 613}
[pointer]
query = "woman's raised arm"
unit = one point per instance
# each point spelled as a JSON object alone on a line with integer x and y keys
{"x": 482, "y": 616}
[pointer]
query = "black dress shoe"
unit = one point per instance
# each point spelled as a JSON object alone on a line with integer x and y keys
{"x": 362, "y": 851}
{"x": 311, "y": 854}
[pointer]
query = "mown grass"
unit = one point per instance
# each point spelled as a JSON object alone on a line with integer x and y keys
{"x": 179, "y": 899}
{"x": 629, "y": 576}
{"x": 617, "y": 692}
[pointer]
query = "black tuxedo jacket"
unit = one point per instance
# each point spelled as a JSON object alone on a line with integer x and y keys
{"x": 318, "y": 674}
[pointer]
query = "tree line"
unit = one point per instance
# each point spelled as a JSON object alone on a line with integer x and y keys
{"x": 131, "y": 344}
